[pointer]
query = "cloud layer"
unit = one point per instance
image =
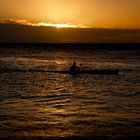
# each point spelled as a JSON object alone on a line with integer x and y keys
{"x": 32, "y": 32}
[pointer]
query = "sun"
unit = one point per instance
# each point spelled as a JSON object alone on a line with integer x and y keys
{"x": 57, "y": 25}
{"x": 64, "y": 26}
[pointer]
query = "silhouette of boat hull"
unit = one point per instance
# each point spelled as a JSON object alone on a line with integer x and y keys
{"x": 101, "y": 72}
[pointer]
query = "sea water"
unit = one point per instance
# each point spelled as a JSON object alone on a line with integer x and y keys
{"x": 48, "y": 105}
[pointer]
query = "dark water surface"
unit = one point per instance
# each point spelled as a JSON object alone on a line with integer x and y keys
{"x": 38, "y": 104}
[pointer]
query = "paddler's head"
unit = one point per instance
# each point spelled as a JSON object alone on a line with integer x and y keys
{"x": 74, "y": 63}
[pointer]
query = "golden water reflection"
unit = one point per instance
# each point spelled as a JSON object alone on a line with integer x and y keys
{"x": 55, "y": 105}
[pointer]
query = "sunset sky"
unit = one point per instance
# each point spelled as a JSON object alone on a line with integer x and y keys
{"x": 86, "y": 21}
{"x": 96, "y": 13}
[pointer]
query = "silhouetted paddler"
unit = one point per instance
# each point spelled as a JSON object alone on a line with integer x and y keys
{"x": 73, "y": 68}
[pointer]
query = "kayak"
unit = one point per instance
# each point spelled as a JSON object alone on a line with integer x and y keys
{"x": 101, "y": 72}
{"x": 97, "y": 71}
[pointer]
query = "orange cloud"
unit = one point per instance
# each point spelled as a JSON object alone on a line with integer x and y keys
{"x": 33, "y": 23}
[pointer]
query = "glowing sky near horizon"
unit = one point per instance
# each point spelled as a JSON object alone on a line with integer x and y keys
{"x": 96, "y": 13}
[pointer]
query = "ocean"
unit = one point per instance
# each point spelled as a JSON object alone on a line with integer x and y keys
{"x": 45, "y": 105}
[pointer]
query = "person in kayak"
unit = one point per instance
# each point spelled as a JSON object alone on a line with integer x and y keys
{"x": 73, "y": 68}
